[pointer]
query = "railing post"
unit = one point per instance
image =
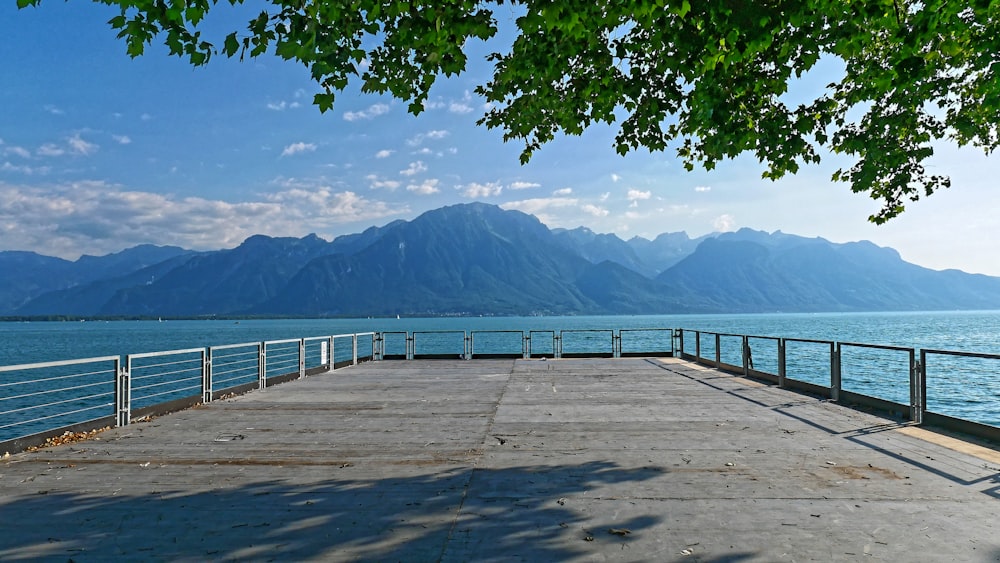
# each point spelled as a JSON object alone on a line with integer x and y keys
{"x": 616, "y": 344}
{"x": 469, "y": 339}
{"x": 918, "y": 387}
{"x": 410, "y": 345}
{"x": 677, "y": 337}
{"x": 557, "y": 344}
{"x": 302, "y": 358}
{"x": 746, "y": 356}
{"x": 329, "y": 344}
{"x": 525, "y": 345}
{"x": 206, "y": 375}
{"x": 262, "y": 365}
{"x": 781, "y": 363}
{"x": 835, "y": 371}
{"x": 697, "y": 345}
{"x": 123, "y": 393}
{"x": 718, "y": 350}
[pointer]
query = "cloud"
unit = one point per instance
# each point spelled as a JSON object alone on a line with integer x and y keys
{"x": 594, "y": 210}
{"x": 145, "y": 117}
{"x": 562, "y": 192}
{"x": 427, "y": 187}
{"x": 384, "y": 153}
{"x": 296, "y": 148}
{"x": 724, "y": 223}
{"x": 539, "y": 204}
{"x": 414, "y": 168}
{"x": 615, "y": 177}
{"x": 702, "y": 189}
{"x": 434, "y": 135}
{"x": 17, "y": 151}
{"x": 81, "y": 147}
{"x": 376, "y": 183}
{"x": 283, "y": 105}
{"x": 605, "y": 196}
{"x": 634, "y": 194}
{"x": 122, "y": 139}
{"x": 49, "y": 149}
{"x": 372, "y": 112}
{"x": 25, "y": 169}
{"x": 54, "y": 110}
{"x": 523, "y": 185}
{"x": 459, "y": 107}
{"x": 476, "y": 190}
{"x": 97, "y": 217}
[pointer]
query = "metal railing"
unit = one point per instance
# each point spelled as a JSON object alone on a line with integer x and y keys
{"x": 42, "y": 400}
{"x": 920, "y": 386}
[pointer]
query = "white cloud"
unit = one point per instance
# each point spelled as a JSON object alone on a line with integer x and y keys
{"x": 81, "y": 147}
{"x": 376, "y": 183}
{"x": 724, "y": 223}
{"x": 17, "y": 151}
{"x": 562, "y": 192}
{"x": 605, "y": 196}
{"x": 372, "y": 112}
{"x": 277, "y": 106}
{"x": 634, "y": 194}
{"x": 459, "y": 107}
{"x": 539, "y": 204}
{"x": 384, "y": 153}
{"x": 49, "y": 149}
{"x": 296, "y": 148}
{"x": 702, "y": 189}
{"x": 427, "y": 187}
{"x": 98, "y": 218}
{"x": 476, "y": 190}
{"x": 523, "y": 185}
{"x": 145, "y": 117}
{"x": 594, "y": 210}
{"x": 434, "y": 135}
{"x": 54, "y": 110}
{"x": 25, "y": 169}
{"x": 414, "y": 168}
{"x": 615, "y": 177}
{"x": 122, "y": 139}
{"x": 433, "y": 104}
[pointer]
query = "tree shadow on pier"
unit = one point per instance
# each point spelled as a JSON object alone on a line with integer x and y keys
{"x": 454, "y": 514}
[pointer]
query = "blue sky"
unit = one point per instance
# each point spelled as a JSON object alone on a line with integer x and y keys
{"x": 100, "y": 152}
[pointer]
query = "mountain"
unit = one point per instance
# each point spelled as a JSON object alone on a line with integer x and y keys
{"x": 30, "y": 275}
{"x": 220, "y": 282}
{"x": 750, "y": 271}
{"x": 471, "y": 259}
{"x": 479, "y": 259}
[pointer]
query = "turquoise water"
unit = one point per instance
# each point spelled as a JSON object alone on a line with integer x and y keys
{"x": 964, "y": 387}
{"x": 20, "y": 342}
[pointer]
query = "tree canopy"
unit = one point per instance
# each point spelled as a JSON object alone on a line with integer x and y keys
{"x": 708, "y": 79}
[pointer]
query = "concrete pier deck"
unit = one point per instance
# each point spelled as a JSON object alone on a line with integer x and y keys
{"x": 507, "y": 460}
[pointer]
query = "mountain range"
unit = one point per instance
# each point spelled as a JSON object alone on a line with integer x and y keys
{"x": 478, "y": 259}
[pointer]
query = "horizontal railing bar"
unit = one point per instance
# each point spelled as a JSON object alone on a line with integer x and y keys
{"x": 165, "y": 364}
{"x": 809, "y": 341}
{"x": 983, "y": 355}
{"x": 163, "y": 373}
{"x": 59, "y": 415}
{"x": 877, "y": 346}
{"x": 167, "y": 353}
{"x": 161, "y": 384}
{"x": 162, "y": 393}
{"x": 54, "y": 403}
{"x": 56, "y": 390}
{"x": 230, "y": 346}
{"x": 56, "y": 378}
{"x": 286, "y": 341}
{"x": 60, "y": 363}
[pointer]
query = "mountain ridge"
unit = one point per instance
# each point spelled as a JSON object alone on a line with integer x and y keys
{"x": 480, "y": 259}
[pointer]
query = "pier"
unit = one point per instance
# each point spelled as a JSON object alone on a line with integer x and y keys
{"x": 571, "y": 459}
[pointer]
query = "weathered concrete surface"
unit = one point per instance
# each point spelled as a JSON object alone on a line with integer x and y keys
{"x": 501, "y": 460}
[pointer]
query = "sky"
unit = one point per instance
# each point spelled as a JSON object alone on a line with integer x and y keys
{"x": 100, "y": 152}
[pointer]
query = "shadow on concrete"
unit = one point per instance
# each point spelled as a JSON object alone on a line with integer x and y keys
{"x": 456, "y": 514}
{"x": 856, "y": 436}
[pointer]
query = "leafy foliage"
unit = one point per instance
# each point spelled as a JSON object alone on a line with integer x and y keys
{"x": 707, "y": 79}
